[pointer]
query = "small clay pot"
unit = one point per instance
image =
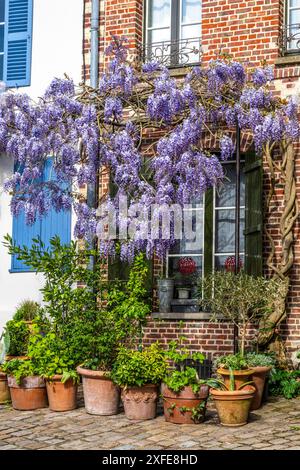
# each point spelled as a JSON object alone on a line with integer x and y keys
{"x": 185, "y": 407}
{"x": 140, "y": 403}
{"x": 240, "y": 376}
{"x": 30, "y": 394}
{"x": 61, "y": 396}
{"x": 101, "y": 395}
{"x": 4, "y": 389}
{"x": 259, "y": 378}
{"x": 233, "y": 407}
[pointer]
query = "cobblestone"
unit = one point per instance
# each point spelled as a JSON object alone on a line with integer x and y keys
{"x": 275, "y": 426}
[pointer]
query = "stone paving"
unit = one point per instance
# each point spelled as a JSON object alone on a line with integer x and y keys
{"x": 275, "y": 426}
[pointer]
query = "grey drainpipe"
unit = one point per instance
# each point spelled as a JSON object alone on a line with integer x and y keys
{"x": 92, "y": 189}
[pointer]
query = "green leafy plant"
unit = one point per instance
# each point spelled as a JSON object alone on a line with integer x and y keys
{"x": 137, "y": 368}
{"x": 176, "y": 380}
{"x": 27, "y": 310}
{"x": 19, "y": 334}
{"x": 20, "y": 368}
{"x": 239, "y": 298}
{"x": 4, "y": 345}
{"x": 259, "y": 360}
{"x": 231, "y": 361}
{"x": 284, "y": 383}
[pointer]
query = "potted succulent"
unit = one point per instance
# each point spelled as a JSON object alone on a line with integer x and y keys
{"x": 232, "y": 402}
{"x": 261, "y": 364}
{"x": 55, "y": 364}
{"x": 27, "y": 388}
{"x": 184, "y": 393}
{"x": 139, "y": 373}
{"x": 4, "y": 389}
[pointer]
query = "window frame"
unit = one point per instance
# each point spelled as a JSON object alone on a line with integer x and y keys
{"x": 287, "y": 30}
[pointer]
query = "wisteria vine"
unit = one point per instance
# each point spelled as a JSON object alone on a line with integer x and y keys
{"x": 147, "y": 128}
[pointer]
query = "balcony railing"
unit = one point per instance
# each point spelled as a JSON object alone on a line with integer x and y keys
{"x": 174, "y": 53}
{"x": 289, "y": 39}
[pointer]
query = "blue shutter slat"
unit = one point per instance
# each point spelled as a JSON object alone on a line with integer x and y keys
{"x": 55, "y": 223}
{"x": 23, "y": 235}
{"x": 18, "y": 38}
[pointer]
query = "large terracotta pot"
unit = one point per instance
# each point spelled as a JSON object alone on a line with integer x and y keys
{"x": 21, "y": 358}
{"x": 233, "y": 407}
{"x": 101, "y": 395}
{"x": 240, "y": 376}
{"x": 4, "y": 390}
{"x": 61, "y": 396}
{"x": 259, "y": 378}
{"x": 140, "y": 402}
{"x": 185, "y": 407}
{"x": 30, "y": 394}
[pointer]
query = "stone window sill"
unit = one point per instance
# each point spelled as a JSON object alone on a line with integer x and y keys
{"x": 288, "y": 60}
{"x": 181, "y": 316}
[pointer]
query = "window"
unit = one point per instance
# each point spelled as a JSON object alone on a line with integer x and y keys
{"x": 173, "y": 30}
{"x": 15, "y": 42}
{"x": 55, "y": 223}
{"x": 215, "y": 228}
{"x": 292, "y": 39}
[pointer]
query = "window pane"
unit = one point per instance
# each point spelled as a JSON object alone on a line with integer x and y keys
{"x": 295, "y": 3}
{"x": 159, "y": 13}
{"x": 221, "y": 260}
{"x": 191, "y": 11}
{"x": 190, "y": 31}
{"x": 192, "y": 242}
{"x": 159, "y": 35}
{"x": 225, "y": 194}
{"x": 2, "y": 38}
{"x": 175, "y": 269}
{"x": 294, "y": 16}
{"x": 1, "y": 66}
{"x": 225, "y": 231}
{"x": 2, "y": 10}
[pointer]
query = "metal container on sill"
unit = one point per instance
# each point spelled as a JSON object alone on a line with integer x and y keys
{"x": 165, "y": 289}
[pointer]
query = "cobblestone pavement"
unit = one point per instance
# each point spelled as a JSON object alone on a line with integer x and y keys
{"x": 275, "y": 426}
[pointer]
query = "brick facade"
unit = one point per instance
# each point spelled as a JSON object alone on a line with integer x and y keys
{"x": 249, "y": 31}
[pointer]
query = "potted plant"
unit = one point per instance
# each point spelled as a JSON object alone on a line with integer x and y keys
{"x": 232, "y": 402}
{"x": 236, "y": 363}
{"x": 19, "y": 333}
{"x": 27, "y": 388}
{"x": 54, "y": 362}
{"x": 184, "y": 393}
{"x": 28, "y": 311}
{"x": 4, "y": 389}
{"x": 139, "y": 373}
{"x": 261, "y": 364}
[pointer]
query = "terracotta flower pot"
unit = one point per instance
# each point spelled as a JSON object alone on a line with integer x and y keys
{"x": 61, "y": 396}
{"x": 233, "y": 407}
{"x": 21, "y": 358}
{"x": 185, "y": 407}
{"x": 4, "y": 389}
{"x": 259, "y": 378}
{"x": 240, "y": 376}
{"x": 29, "y": 395}
{"x": 101, "y": 395}
{"x": 140, "y": 402}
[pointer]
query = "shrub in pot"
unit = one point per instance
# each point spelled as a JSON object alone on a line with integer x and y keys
{"x": 262, "y": 365}
{"x": 139, "y": 373}
{"x": 28, "y": 311}
{"x": 55, "y": 364}
{"x": 232, "y": 402}
{"x": 4, "y": 389}
{"x": 19, "y": 333}
{"x": 27, "y": 388}
{"x": 184, "y": 393}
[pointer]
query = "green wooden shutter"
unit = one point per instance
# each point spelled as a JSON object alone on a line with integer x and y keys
{"x": 254, "y": 214}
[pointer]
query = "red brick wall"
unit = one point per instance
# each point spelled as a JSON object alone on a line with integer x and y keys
{"x": 248, "y": 30}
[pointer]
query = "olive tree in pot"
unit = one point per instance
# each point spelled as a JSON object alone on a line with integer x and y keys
{"x": 242, "y": 300}
{"x": 184, "y": 393}
{"x": 140, "y": 373}
{"x": 4, "y": 389}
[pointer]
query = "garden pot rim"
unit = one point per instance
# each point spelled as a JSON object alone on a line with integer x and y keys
{"x": 30, "y": 382}
{"x": 250, "y": 390}
{"x": 56, "y": 378}
{"x": 186, "y": 389}
{"x": 249, "y": 371}
{"x": 2, "y": 374}
{"x": 8, "y": 357}
{"x": 93, "y": 374}
{"x": 261, "y": 368}
{"x": 130, "y": 387}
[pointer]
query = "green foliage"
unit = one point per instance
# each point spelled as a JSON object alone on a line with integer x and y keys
{"x": 259, "y": 360}
{"x": 239, "y": 298}
{"x": 285, "y": 383}
{"x": 176, "y": 380}
{"x": 231, "y": 361}
{"x": 51, "y": 355}
{"x": 179, "y": 354}
{"x": 27, "y": 310}
{"x": 19, "y": 333}
{"x": 137, "y": 368}
{"x": 20, "y": 368}
{"x": 4, "y": 345}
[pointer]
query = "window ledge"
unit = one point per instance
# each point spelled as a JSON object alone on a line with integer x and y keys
{"x": 181, "y": 316}
{"x": 288, "y": 60}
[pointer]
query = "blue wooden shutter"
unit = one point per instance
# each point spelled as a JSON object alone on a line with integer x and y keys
{"x": 18, "y": 39}
{"x": 55, "y": 223}
{"x": 23, "y": 234}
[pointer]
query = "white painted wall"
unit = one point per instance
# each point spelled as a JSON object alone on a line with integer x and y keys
{"x": 56, "y": 49}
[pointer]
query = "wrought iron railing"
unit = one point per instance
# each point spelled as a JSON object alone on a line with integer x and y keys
{"x": 173, "y": 53}
{"x": 289, "y": 39}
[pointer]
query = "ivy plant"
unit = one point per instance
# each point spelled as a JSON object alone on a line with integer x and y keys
{"x": 20, "y": 368}
{"x": 19, "y": 333}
